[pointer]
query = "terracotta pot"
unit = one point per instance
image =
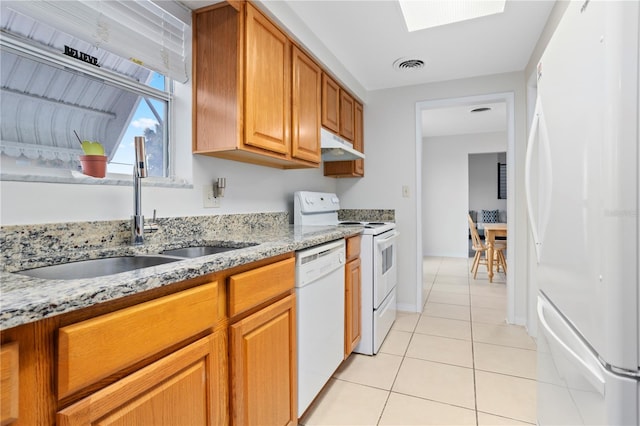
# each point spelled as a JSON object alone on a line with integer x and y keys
{"x": 94, "y": 165}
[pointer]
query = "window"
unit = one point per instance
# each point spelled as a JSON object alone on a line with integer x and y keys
{"x": 502, "y": 181}
{"x": 55, "y": 84}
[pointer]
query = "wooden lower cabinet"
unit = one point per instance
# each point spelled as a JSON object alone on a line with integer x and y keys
{"x": 215, "y": 350}
{"x": 263, "y": 366}
{"x": 352, "y": 295}
{"x": 181, "y": 388}
{"x": 131, "y": 335}
{"x": 353, "y": 311}
{"x": 9, "y": 383}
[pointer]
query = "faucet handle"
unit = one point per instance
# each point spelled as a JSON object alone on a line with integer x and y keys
{"x": 153, "y": 226}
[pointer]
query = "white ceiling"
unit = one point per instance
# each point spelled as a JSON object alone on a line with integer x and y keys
{"x": 459, "y": 120}
{"x": 368, "y": 36}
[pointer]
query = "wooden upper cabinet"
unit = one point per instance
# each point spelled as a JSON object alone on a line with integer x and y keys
{"x": 305, "y": 107}
{"x": 358, "y": 138}
{"x": 330, "y": 104}
{"x": 217, "y": 87}
{"x": 347, "y": 114}
{"x": 243, "y": 98}
{"x": 267, "y": 82}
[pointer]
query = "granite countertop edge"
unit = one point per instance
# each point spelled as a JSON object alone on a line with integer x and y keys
{"x": 24, "y": 299}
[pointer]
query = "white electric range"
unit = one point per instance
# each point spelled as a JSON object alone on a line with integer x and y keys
{"x": 378, "y": 256}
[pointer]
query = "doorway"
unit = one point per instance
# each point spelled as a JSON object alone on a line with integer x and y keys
{"x": 487, "y": 189}
{"x": 460, "y": 210}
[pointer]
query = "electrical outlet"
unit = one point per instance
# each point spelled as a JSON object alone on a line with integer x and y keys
{"x": 209, "y": 201}
{"x": 405, "y": 191}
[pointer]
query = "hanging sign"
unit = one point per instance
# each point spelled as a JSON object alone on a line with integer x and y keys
{"x": 84, "y": 57}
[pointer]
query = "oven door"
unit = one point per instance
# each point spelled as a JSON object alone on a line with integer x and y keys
{"x": 384, "y": 266}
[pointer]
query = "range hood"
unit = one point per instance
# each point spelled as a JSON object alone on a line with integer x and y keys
{"x": 334, "y": 148}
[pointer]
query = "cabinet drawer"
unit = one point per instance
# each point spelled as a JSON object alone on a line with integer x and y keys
{"x": 96, "y": 348}
{"x": 253, "y": 287}
{"x": 9, "y": 381}
{"x": 353, "y": 247}
{"x": 182, "y": 388}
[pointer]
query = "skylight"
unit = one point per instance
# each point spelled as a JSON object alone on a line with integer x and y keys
{"x": 421, "y": 14}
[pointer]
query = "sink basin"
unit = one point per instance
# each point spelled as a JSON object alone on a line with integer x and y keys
{"x": 198, "y": 251}
{"x": 96, "y": 267}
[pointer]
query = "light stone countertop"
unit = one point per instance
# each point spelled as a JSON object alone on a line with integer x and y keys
{"x": 24, "y": 299}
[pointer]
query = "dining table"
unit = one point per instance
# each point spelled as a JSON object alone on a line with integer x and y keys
{"x": 491, "y": 231}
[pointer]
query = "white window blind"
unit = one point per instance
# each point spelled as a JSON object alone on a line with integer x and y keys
{"x": 154, "y": 34}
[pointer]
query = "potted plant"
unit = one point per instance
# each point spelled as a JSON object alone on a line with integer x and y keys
{"x": 93, "y": 162}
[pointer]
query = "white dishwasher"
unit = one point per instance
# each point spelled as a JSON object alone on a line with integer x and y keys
{"x": 319, "y": 317}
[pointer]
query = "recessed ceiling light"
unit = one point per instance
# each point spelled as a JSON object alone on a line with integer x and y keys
{"x": 481, "y": 109}
{"x": 408, "y": 64}
{"x": 421, "y": 14}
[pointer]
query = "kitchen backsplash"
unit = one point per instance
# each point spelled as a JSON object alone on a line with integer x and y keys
{"x": 367, "y": 215}
{"x": 26, "y": 246}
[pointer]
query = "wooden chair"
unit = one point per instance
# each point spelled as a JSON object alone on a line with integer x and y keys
{"x": 481, "y": 251}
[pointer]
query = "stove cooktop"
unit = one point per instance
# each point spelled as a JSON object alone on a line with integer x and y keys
{"x": 372, "y": 227}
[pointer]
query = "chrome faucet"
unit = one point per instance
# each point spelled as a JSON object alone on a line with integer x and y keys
{"x": 138, "y": 228}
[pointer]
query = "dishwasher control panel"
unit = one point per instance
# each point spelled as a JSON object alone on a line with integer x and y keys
{"x": 318, "y": 261}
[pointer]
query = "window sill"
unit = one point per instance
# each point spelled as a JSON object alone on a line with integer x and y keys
{"x": 114, "y": 179}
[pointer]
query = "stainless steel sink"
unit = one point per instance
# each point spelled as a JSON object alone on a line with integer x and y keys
{"x": 190, "y": 252}
{"x": 96, "y": 267}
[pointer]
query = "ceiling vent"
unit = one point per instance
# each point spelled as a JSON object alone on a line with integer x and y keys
{"x": 481, "y": 109}
{"x": 404, "y": 64}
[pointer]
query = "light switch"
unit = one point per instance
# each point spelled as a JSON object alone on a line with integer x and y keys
{"x": 405, "y": 191}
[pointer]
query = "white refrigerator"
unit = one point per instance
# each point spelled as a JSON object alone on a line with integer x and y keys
{"x": 582, "y": 187}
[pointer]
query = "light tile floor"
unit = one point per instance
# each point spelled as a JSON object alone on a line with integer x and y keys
{"x": 457, "y": 363}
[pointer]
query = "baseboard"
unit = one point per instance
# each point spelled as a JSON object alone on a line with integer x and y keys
{"x": 406, "y": 307}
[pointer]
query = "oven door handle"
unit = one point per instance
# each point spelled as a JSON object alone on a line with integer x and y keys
{"x": 393, "y": 236}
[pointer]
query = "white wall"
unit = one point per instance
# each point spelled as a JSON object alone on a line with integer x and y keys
{"x": 390, "y": 147}
{"x": 250, "y": 188}
{"x": 446, "y": 191}
{"x": 483, "y": 181}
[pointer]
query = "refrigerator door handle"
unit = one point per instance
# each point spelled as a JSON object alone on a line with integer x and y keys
{"x": 539, "y": 129}
{"x": 588, "y": 364}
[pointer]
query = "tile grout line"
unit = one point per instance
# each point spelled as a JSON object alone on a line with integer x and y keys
{"x": 404, "y": 356}
{"x": 473, "y": 355}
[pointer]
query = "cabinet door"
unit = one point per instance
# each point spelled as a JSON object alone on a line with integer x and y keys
{"x": 9, "y": 383}
{"x": 263, "y": 366}
{"x": 330, "y": 104}
{"x": 267, "y": 81}
{"x": 347, "y": 114}
{"x": 352, "y": 306}
{"x": 187, "y": 387}
{"x": 305, "y": 107}
{"x": 358, "y": 139}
